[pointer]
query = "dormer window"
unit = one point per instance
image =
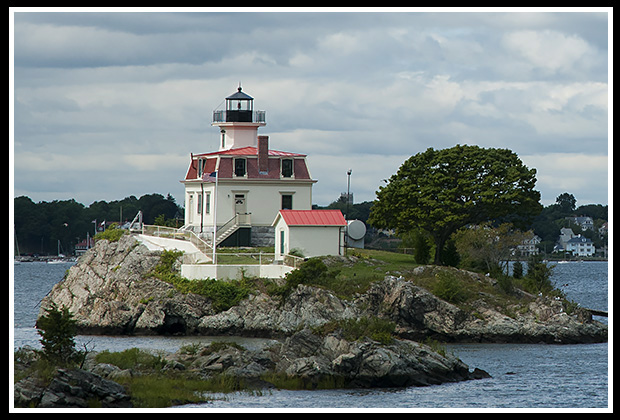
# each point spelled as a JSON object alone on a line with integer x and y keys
{"x": 240, "y": 167}
{"x": 201, "y": 167}
{"x": 287, "y": 168}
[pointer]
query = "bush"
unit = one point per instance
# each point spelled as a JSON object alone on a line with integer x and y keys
{"x": 538, "y": 277}
{"x": 450, "y": 288}
{"x": 112, "y": 234}
{"x": 310, "y": 272}
{"x": 58, "y": 330}
{"x": 223, "y": 294}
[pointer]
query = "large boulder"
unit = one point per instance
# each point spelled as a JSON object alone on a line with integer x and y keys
{"x": 70, "y": 388}
{"x": 110, "y": 291}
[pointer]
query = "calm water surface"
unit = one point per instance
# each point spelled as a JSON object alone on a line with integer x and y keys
{"x": 523, "y": 376}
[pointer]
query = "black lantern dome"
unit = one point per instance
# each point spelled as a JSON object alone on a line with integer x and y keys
{"x": 239, "y": 107}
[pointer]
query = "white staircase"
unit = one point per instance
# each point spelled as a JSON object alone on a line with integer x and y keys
{"x": 230, "y": 227}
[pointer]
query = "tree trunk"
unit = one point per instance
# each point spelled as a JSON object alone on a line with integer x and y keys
{"x": 440, "y": 242}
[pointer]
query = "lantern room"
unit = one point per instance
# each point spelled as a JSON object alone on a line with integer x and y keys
{"x": 239, "y": 107}
{"x": 238, "y": 121}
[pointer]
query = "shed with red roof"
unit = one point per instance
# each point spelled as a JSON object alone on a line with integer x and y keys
{"x": 309, "y": 232}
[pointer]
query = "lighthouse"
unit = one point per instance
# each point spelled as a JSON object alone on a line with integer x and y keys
{"x": 238, "y": 121}
{"x": 233, "y": 194}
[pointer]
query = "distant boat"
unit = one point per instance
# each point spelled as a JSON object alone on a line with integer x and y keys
{"x": 60, "y": 258}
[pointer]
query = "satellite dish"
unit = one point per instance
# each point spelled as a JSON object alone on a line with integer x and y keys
{"x": 356, "y": 229}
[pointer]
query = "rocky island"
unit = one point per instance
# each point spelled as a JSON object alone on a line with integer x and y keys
{"x": 119, "y": 288}
{"x": 110, "y": 291}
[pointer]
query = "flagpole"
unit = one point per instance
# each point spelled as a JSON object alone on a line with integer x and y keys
{"x": 215, "y": 217}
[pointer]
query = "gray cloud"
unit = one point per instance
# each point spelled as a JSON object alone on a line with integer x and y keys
{"x": 106, "y": 94}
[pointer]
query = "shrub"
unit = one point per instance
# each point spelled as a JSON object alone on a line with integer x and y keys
{"x": 449, "y": 288}
{"x": 58, "y": 330}
{"x": 112, "y": 234}
{"x": 310, "y": 272}
{"x": 538, "y": 277}
{"x": 223, "y": 294}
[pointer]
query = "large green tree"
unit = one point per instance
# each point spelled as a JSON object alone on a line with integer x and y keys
{"x": 441, "y": 191}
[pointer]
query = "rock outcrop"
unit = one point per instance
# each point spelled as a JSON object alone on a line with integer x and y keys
{"x": 68, "y": 388}
{"x": 318, "y": 360}
{"x": 109, "y": 291}
{"x": 304, "y": 360}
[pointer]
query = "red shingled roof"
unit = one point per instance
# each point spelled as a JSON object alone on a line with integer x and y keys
{"x": 248, "y": 151}
{"x": 226, "y": 157}
{"x": 313, "y": 217}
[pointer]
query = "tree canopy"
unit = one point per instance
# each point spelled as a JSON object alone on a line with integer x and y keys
{"x": 441, "y": 191}
{"x": 39, "y": 226}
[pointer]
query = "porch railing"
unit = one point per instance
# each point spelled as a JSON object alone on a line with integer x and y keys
{"x": 221, "y": 115}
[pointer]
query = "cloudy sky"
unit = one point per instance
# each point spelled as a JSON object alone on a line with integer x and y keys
{"x": 107, "y": 105}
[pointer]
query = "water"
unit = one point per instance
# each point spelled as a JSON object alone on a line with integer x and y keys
{"x": 523, "y": 375}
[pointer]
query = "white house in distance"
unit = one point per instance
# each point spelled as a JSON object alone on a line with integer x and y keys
{"x": 581, "y": 246}
{"x": 239, "y": 189}
{"x": 528, "y": 246}
{"x": 311, "y": 232}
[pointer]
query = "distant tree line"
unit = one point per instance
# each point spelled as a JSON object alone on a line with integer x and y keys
{"x": 546, "y": 225}
{"x": 39, "y": 226}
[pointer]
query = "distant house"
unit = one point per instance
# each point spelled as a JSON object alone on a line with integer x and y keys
{"x": 311, "y": 232}
{"x": 83, "y": 246}
{"x": 566, "y": 234}
{"x": 528, "y": 247}
{"x": 584, "y": 222}
{"x": 580, "y": 246}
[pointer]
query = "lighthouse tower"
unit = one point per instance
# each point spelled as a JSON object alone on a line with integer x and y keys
{"x": 238, "y": 122}
{"x": 233, "y": 195}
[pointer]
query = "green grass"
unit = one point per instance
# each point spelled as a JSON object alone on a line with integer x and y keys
{"x": 355, "y": 273}
{"x": 151, "y": 387}
{"x": 132, "y": 358}
{"x": 376, "y": 329}
{"x": 283, "y": 381}
{"x": 164, "y": 390}
{"x": 365, "y": 266}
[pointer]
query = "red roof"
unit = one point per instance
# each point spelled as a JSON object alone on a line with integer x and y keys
{"x": 248, "y": 151}
{"x": 313, "y": 217}
{"x": 225, "y": 167}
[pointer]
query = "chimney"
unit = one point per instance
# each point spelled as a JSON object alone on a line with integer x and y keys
{"x": 263, "y": 155}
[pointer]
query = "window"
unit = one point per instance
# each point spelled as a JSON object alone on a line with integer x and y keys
{"x": 287, "y": 202}
{"x": 199, "y": 206}
{"x": 201, "y": 167}
{"x": 208, "y": 203}
{"x": 287, "y": 168}
{"x": 239, "y": 167}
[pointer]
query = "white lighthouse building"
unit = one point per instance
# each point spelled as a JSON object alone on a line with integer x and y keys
{"x": 238, "y": 190}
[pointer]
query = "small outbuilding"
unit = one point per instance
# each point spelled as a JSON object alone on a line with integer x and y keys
{"x": 311, "y": 232}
